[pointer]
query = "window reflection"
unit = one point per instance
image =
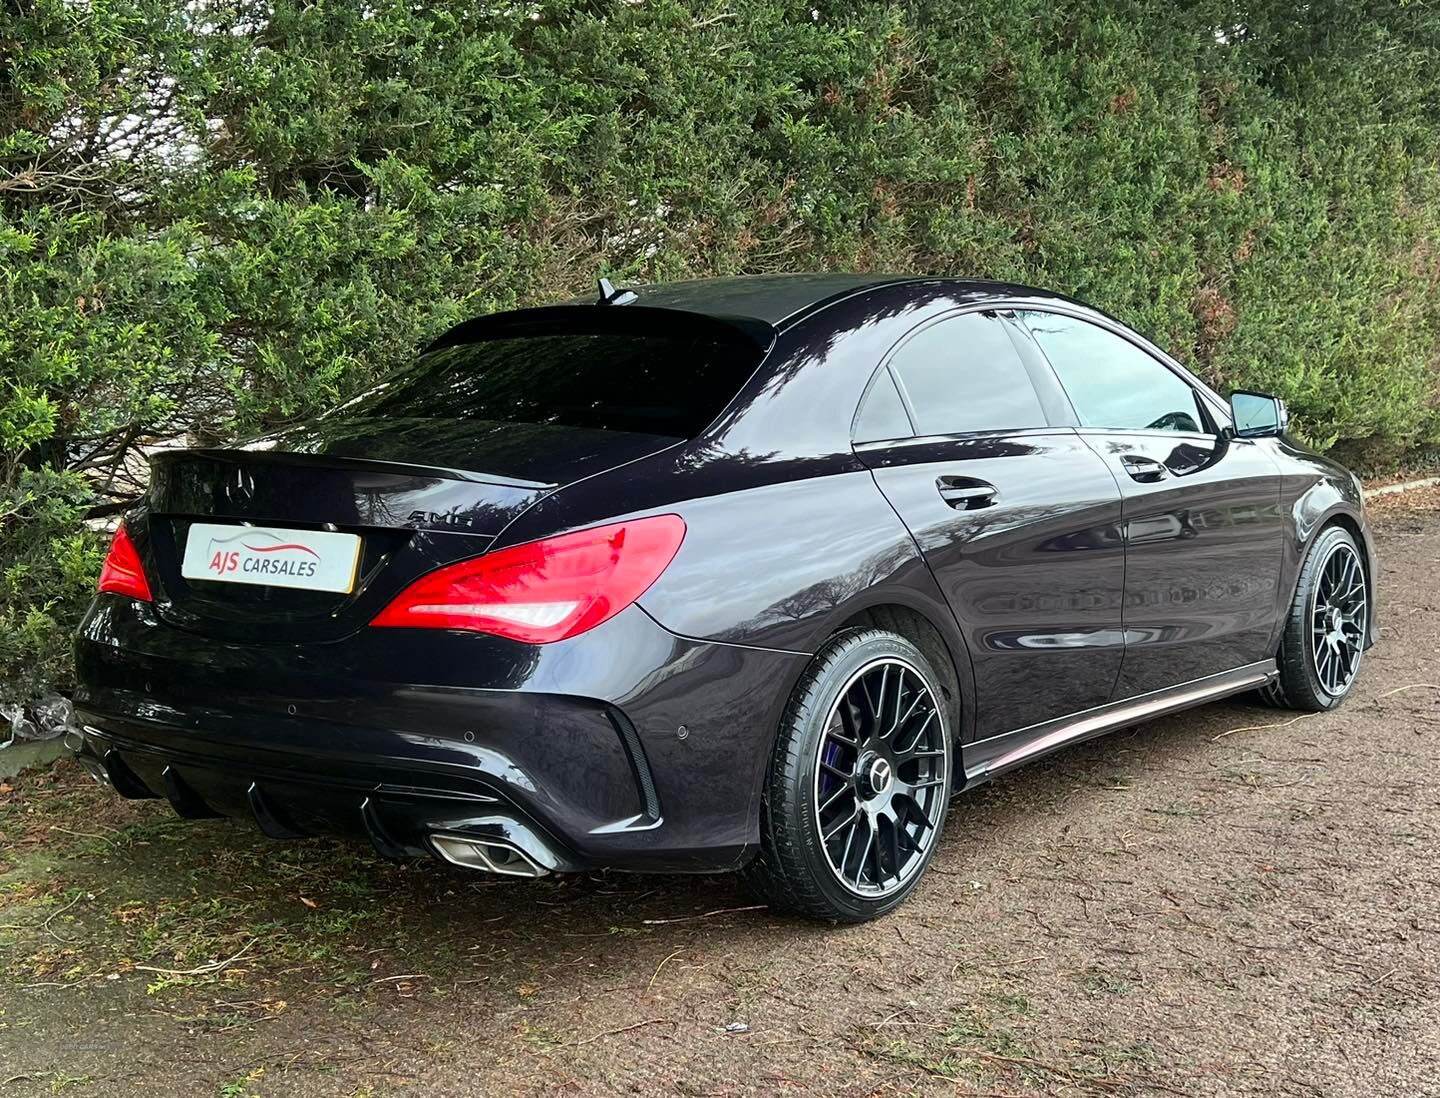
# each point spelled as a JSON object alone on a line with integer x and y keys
{"x": 656, "y": 384}
{"x": 1112, "y": 382}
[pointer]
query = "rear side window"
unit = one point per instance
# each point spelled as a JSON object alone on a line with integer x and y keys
{"x": 662, "y": 384}
{"x": 964, "y": 374}
{"x": 1112, "y": 382}
{"x": 882, "y": 413}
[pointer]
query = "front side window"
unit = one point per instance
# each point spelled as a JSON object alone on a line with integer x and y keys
{"x": 1113, "y": 383}
{"x": 963, "y": 375}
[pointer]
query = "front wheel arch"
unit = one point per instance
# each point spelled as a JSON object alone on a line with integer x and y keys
{"x": 1301, "y": 680}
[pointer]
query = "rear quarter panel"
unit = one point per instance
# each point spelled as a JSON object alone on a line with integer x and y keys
{"x": 788, "y": 536}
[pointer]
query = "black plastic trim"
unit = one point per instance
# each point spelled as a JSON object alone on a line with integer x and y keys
{"x": 639, "y": 764}
{"x": 184, "y": 800}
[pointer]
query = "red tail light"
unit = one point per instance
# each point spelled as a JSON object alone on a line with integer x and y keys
{"x": 122, "y": 572}
{"x": 546, "y": 590}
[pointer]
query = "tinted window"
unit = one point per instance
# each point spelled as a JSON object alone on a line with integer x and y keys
{"x": 882, "y": 414}
{"x": 965, "y": 375}
{"x": 1112, "y": 382}
{"x": 655, "y": 384}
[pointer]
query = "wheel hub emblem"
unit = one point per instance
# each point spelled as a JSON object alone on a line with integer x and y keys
{"x": 878, "y": 776}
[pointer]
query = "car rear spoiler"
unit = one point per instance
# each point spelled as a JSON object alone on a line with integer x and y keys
{"x": 756, "y": 334}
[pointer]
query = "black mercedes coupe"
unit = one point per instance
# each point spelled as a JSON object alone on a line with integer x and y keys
{"x": 747, "y": 574}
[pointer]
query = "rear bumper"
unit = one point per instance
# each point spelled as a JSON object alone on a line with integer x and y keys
{"x": 570, "y": 752}
{"x": 401, "y": 812}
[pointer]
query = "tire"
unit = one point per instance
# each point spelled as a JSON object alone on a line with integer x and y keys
{"x": 836, "y": 770}
{"x": 1315, "y": 674}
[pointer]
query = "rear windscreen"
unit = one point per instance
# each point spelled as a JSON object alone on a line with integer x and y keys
{"x": 665, "y": 384}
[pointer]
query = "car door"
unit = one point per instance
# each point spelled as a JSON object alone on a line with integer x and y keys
{"x": 971, "y": 442}
{"x": 1203, "y": 532}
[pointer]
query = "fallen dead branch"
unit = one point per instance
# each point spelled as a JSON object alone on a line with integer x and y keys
{"x": 650, "y": 986}
{"x": 203, "y": 970}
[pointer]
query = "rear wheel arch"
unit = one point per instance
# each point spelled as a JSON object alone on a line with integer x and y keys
{"x": 893, "y": 613}
{"x": 919, "y": 630}
{"x": 924, "y": 634}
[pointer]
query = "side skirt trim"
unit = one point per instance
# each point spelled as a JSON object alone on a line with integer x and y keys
{"x": 987, "y": 758}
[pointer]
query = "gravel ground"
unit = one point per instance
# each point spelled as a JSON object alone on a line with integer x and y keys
{"x": 1233, "y": 901}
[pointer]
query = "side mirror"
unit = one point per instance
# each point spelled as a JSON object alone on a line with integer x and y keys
{"x": 1257, "y": 415}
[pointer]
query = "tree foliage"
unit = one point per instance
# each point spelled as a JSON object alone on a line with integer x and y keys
{"x": 218, "y": 215}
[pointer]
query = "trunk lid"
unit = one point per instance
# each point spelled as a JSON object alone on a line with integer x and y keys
{"x": 407, "y": 489}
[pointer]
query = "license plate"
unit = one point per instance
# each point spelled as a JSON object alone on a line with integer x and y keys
{"x": 315, "y": 560}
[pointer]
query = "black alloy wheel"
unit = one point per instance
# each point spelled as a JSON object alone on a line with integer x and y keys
{"x": 860, "y": 781}
{"x": 1337, "y": 619}
{"x": 1325, "y": 633}
{"x": 879, "y": 777}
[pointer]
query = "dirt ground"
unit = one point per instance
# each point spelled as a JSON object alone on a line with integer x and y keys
{"x": 1233, "y": 901}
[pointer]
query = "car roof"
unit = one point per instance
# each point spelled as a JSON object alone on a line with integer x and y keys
{"x": 782, "y": 299}
{"x": 757, "y": 306}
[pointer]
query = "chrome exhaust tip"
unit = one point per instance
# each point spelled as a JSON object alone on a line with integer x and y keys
{"x": 96, "y": 769}
{"x": 487, "y": 855}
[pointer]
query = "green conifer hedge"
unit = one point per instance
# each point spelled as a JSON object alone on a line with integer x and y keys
{"x": 216, "y": 215}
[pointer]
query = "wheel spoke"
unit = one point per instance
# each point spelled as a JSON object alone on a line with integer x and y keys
{"x": 849, "y": 841}
{"x": 909, "y": 756}
{"x": 890, "y": 844}
{"x": 837, "y": 733}
{"x": 919, "y": 732}
{"x": 897, "y": 692}
{"x": 1352, "y": 578}
{"x": 928, "y": 783}
{"x": 828, "y": 801}
{"x": 1344, "y": 656}
{"x": 909, "y": 840}
{"x": 877, "y": 703}
{"x": 864, "y": 855}
{"x": 901, "y": 721}
{"x": 835, "y": 829}
{"x": 921, "y": 816}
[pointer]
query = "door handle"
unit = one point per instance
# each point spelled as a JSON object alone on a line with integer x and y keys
{"x": 1145, "y": 470}
{"x": 965, "y": 493}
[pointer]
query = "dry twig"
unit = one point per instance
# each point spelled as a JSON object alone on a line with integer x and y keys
{"x": 1259, "y": 727}
{"x": 1412, "y": 686}
{"x": 708, "y": 914}
{"x": 661, "y": 965}
{"x": 626, "y": 1029}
